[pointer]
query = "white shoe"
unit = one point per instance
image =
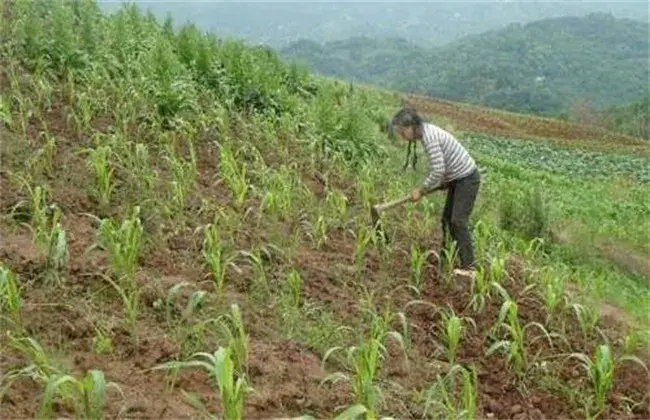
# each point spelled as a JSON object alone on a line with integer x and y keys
{"x": 470, "y": 274}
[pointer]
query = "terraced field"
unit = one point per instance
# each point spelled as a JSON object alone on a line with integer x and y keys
{"x": 185, "y": 234}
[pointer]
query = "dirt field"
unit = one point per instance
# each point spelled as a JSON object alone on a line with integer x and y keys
{"x": 500, "y": 123}
{"x": 284, "y": 373}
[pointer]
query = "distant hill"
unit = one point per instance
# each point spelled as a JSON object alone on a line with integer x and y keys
{"x": 632, "y": 119}
{"x": 426, "y": 23}
{"x": 542, "y": 67}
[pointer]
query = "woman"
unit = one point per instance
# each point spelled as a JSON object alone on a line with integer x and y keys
{"x": 452, "y": 167}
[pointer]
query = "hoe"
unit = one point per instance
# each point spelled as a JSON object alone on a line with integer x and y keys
{"x": 378, "y": 208}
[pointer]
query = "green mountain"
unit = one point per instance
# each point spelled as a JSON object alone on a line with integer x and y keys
{"x": 426, "y": 23}
{"x": 541, "y": 67}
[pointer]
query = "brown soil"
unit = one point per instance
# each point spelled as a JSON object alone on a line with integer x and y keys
{"x": 284, "y": 373}
{"x": 500, "y": 123}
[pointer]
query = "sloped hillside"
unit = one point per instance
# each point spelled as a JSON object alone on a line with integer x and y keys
{"x": 185, "y": 234}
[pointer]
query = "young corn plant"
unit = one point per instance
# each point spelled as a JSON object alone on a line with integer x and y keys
{"x": 194, "y": 304}
{"x": 588, "y": 316}
{"x": 365, "y": 188}
{"x": 515, "y": 344}
{"x": 365, "y": 362}
{"x": 234, "y": 175}
{"x": 48, "y": 234}
{"x": 481, "y": 290}
{"x": 136, "y": 163}
{"x": 38, "y": 211}
{"x": 260, "y": 280}
{"x": 216, "y": 258}
{"x": 498, "y": 269}
{"x": 55, "y": 246}
{"x": 481, "y": 235}
{"x": 553, "y": 294}
{"x": 418, "y": 261}
{"x": 221, "y": 367}
{"x": 45, "y": 155}
{"x": 442, "y": 402}
{"x": 123, "y": 245}
{"x": 601, "y": 371}
{"x": 238, "y": 341}
{"x": 317, "y": 231}
{"x": 278, "y": 200}
{"x": 362, "y": 240}
{"x": 184, "y": 174}
{"x": 99, "y": 162}
{"x": 337, "y": 206}
{"x": 10, "y": 300}
{"x": 289, "y": 305}
{"x": 446, "y": 265}
{"x": 452, "y": 330}
{"x": 87, "y": 395}
{"x": 40, "y": 365}
{"x": 294, "y": 286}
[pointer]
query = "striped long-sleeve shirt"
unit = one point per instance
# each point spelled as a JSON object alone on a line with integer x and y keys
{"x": 448, "y": 159}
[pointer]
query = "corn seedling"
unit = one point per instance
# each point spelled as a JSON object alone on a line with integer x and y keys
{"x": 40, "y": 366}
{"x": 233, "y": 326}
{"x": 38, "y": 211}
{"x": 365, "y": 362}
{"x": 102, "y": 342}
{"x": 184, "y": 174}
{"x": 337, "y": 206}
{"x": 481, "y": 289}
{"x": 452, "y": 331}
{"x": 10, "y": 300}
{"x": 137, "y": 164}
{"x": 56, "y": 246}
{"x": 45, "y": 155}
{"x": 588, "y": 316}
{"x": 441, "y": 396}
{"x": 222, "y": 368}
{"x": 498, "y": 269}
{"x": 87, "y": 395}
{"x": 194, "y": 303}
{"x": 294, "y": 286}
{"x": 123, "y": 244}
{"x": 600, "y": 371}
{"x": 48, "y": 234}
{"x": 280, "y": 191}
{"x": 363, "y": 238}
{"x": 418, "y": 260}
{"x": 234, "y": 175}
{"x": 320, "y": 231}
{"x": 216, "y": 258}
{"x": 515, "y": 345}
{"x": 99, "y": 162}
{"x": 83, "y": 111}
{"x": 364, "y": 189}
{"x": 481, "y": 235}
{"x": 260, "y": 281}
{"x": 534, "y": 249}
{"x": 130, "y": 294}
{"x": 449, "y": 254}
{"x": 553, "y": 294}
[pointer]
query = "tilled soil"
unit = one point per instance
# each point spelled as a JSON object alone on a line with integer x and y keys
{"x": 482, "y": 120}
{"x": 285, "y": 373}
